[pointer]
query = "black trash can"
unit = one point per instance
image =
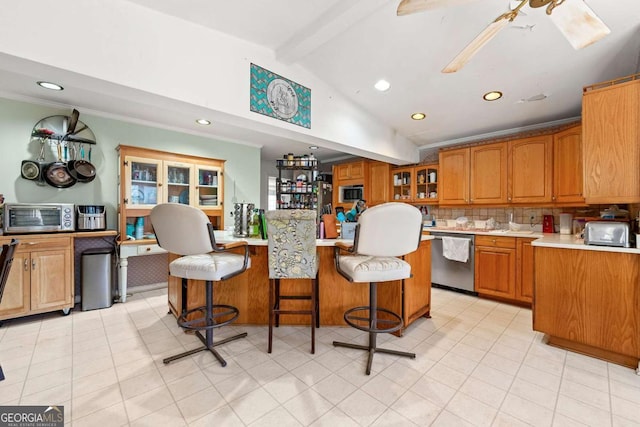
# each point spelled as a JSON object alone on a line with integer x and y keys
{"x": 97, "y": 278}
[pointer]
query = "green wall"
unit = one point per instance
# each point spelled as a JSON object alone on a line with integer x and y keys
{"x": 17, "y": 119}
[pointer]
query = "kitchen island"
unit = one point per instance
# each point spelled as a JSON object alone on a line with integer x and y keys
{"x": 587, "y": 298}
{"x": 411, "y": 298}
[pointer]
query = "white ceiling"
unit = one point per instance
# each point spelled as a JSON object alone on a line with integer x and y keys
{"x": 350, "y": 44}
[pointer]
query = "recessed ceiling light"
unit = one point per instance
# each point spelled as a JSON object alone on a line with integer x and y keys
{"x": 313, "y": 147}
{"x": 49, "y": 85}
{"x": 492, "y": 96}
{"x": 203, "y": 122}
{"x": 382, "y": 85}
{"x": 418, "y": 116}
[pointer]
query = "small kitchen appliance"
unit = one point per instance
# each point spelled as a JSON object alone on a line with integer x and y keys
{"x": 91, "y": 217}
{"x": 38, "y": 217}
{"x": 607, "y": 233}
{"x": 565, "y": 223}
{"x": 547, "y": 224}
{"x": 241, "y": 219}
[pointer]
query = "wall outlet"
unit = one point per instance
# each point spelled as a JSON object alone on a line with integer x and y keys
{"x": 532, "y": 217}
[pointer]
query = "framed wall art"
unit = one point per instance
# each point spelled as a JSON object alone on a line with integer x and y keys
{"x": 280, "y": 98}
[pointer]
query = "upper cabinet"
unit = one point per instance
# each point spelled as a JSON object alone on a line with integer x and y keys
{"x": 567, "y": 166}
{"x": 611, "y": 141}
{"x": 530, "y": 169}
{"x": 415, "y": 184}
{"x": 376, "y": 189}
{"x": 454, "y": 177}
{"x": 349, "y": 171}
{"x": 149, "y": 177}
{"x": 474, "y": 175}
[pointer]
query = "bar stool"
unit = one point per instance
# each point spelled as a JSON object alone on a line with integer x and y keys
{"x": 6, "y": 259}
{"x": 186, "y": 231}
{"x": 383, "y": 233}
{"x": 292, "y": 255}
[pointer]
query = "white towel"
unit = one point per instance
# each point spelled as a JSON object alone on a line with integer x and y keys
{"x": 455, "y": 248}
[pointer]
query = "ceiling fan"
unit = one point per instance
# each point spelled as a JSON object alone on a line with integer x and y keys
{"x": 577, "y": 22}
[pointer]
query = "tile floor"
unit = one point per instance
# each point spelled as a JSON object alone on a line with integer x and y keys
{"x": 479, "y": 364}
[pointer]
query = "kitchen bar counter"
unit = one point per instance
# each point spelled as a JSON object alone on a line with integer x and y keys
{"x": 248, "y": 291}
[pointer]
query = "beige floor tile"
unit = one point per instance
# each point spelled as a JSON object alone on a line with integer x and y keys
{"x": 446, "y": 375}
{"x": 362, "y": 407}
{"x": 416, "y": 408}
{"x": 582, "y": 412}
{"x": 504, "y": 420}
{"x": 140, "y": 384}
{"x": 471, "y": 410}
{"x": 188, "y": 385}
{"x": 237, "y": 386}
{"x": 526, "y": 411}
{"x": 55, "y": 395}
{"x": 334, "y": 417}
{"x": 91, "y": 383}
{"x": 625, "y": 409}
{"x": 201, "y": 403}
{"x": 92, "y": 402}
{"x": 254, "y": 405}
{"x": 311, "y": 372}
{"x": 448, "y": 419}
{"x": 484, "y": 392}
{"x": 223, "y": 416}
{"x": 147, "y": 403}
{"x": 384, "y": 389}
{"x": 588, "y": 395}
{"x": 541, "y": 378}
{"x": 112, "y": 416}
{"x": 391, "y": 418}
{"x": 535, "y": 393}
{"x": 167, "y": 416}
{"x": 266, "y": 372}
{"x": 308, "y": 406}
{"x": 47, "y": 381}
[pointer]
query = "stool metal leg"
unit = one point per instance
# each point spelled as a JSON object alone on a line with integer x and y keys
{"x": 372, "y": 347}
{"x": 207, "y": 340}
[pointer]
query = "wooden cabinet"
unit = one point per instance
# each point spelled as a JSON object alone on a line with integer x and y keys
{"x": 376, "y": 189}
{"x": 347, "y": 171}
{"x": 474, "y": 175}
{"x": 611, "y": 141}
{"x": 531, "y": 170}
{"x": 589, "y": 302}
{"x": 454, "y": 177}
{"x": 41, "y": 277}
{"x": 524, "y": 270}
{"x": 495, "y": 266}
{"x": 567, "y": 166}
{"x": 403, "y": 185}
{"x": 148, "y": 177}
{"x": 504, "y": 268}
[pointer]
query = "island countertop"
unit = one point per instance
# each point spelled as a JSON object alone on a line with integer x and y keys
{"x": 227, "y": 236}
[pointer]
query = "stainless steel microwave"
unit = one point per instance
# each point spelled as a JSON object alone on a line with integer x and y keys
{"x": 38, "y": 217}
{"x": 351, "y": 193}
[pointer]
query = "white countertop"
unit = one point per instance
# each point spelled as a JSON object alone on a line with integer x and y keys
{"x": 227, "y": 236}
{"x": 549, "y": 240}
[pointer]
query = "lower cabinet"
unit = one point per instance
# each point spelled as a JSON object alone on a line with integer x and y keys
{"x": 41, "y": 277}
{"x": 589, "y": 302}
{"x": 504, "y": 268}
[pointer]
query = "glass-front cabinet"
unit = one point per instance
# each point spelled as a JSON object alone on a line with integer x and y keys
{"x": 415, "y": 184}
{"x": 149, "y": 177}
{"x": 142, "y": 187}
{"x": 402, "y": 185}
{"x": 208, "y": 190}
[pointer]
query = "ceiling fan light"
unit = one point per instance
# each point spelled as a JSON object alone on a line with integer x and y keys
{"x": 50, "y": 85}
{"x": 382, "y": 85}
{"x": 203, "y": 122}
{"x": 418, "y": 116}
{"x": 492, "y": 96}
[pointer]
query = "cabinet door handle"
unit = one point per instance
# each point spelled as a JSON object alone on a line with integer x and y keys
{"x": 26, "y": 265}
{"x": 33, "y": 264}
{"x": 30, "y": 243}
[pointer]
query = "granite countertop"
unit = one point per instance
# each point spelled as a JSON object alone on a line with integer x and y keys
{"x": 497, "y": 232}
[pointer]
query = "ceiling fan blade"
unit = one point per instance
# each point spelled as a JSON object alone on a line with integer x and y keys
{"x": 472, "y": 48}
{"x": 407, "y": 7}
{"x": 578, "y": 23}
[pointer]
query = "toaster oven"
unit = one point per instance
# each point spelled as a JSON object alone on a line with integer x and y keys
{"x": 38, "y": 217}
{"x": 607, "y": 233}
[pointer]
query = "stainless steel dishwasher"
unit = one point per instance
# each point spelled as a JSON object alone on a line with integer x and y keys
{"x": 449, "y": 274}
